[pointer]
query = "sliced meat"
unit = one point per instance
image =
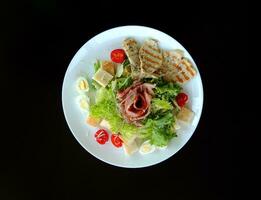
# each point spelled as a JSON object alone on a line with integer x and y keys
{"x": 131, "y": 49}
{"x": 176, "y": 67}
{"x": 150, "y": 56}
{"x": 146, "y": 111}
{"x": 149, "y": 87}
{"x": 121, "y": 94}
{"x": 134, "y": 102}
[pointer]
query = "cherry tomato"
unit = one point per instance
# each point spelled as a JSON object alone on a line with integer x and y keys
{"x": 116, "y": 140}
{"x": 118, "y": 55}
{"x": 182, "y": 99}
{"x": 102, "y": 136}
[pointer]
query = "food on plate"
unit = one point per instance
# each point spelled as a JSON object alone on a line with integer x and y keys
{"x": 182, "y": 99}
{"x": 93, "y": 121}
{"x": 146, "y": 148}
{"x": 134, "y": 102}
{"x": 105, "y": 124}
{"x": 102, "y": 136}
{"x": 102, "y": 77}
{"x": 118, "y": 55}
{"x": 116, "y": 140}
{"x": 138, "y": 99}
{"x": 130, "y": 146}
{"x": 82, "y": 85}
{"x": 176, "y": 67}
{"x": 131, "y": 48}
{"x": 83, "y": 102}
{"x": 185, "y": 115}
{"x": 109, "y": 67}
{"x": 150, "y": 56}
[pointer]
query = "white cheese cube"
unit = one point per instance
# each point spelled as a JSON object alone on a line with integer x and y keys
{"x": 102, "y": 77}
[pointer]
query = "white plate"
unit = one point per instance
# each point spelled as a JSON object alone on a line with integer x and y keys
{"x": 99, "y": 47}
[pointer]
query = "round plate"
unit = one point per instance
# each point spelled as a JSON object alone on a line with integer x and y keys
{"x": 99, "y": 47}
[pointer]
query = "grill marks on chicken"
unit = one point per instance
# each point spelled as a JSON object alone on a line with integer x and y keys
{"x": 150, "y": 56}
{"x": 150, "y": 61}
{"x": 176, "y": 68}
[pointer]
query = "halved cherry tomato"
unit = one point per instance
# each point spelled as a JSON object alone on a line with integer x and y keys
{"x": 118, "y": 55}
{"x": 116, "y": 140}
{"x": 182, "y": 99}
{"x": 102, "y": 136}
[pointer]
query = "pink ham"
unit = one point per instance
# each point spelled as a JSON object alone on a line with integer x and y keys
{"x": 121, "y": 94}
{"x": 134, "y": 102}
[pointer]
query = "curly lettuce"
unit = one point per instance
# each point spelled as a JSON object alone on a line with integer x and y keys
{"x": 160, "y": 130}
{"x": 158, "y": 127}
{"x": 167, "y": 91}
{"x": 105, "y": 107}
{"x": 158, "y": 105}
{"x": 121, "y": 83}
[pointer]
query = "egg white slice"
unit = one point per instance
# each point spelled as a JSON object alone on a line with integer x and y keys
{"x": 82, "y": 85}
{"x": 146, "y": 148}
{"x": 83, "y": 102}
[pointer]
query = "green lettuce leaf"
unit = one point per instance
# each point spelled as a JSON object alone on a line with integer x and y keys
{"x": 121, "y": 83}
{"x": 158, "y": 81}
{"x": 158, "y": 128}
{"x": 160, "y": 105}
{"x": 94, "y": 84}
{"x": 97, "y": 66}
{"x": 105, "y": 107}
{"x": 126, "y": 63}
{"x": 167, "y": 91}
{"x": 161, "y": 129}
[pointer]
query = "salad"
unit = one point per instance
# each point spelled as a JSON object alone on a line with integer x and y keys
{"x": 136, "y": 99}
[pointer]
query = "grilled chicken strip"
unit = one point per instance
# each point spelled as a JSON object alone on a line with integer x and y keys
{"x": 176, "y": 67}
{"x": 131, "y": 49}
{"x": 150, "y": 56}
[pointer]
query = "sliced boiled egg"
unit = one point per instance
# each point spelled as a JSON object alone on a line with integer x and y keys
{"x": 146, "y": 148}
{"x": 83, "y": 102}
{"x": 82, "y": 85}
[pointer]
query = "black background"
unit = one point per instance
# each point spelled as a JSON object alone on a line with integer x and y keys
{"x": 40, "y": 159}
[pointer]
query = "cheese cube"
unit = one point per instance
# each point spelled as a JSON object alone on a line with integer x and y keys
{"x": 102, "y": 77}
{"x": 105, "y": 124}
{"x": 185, "y": 115}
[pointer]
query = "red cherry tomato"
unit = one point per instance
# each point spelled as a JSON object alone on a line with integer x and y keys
{"x": 182, "y": 99}
{"x": 116, "y": 140}
{"x": 118, "y": 55}
{"x": 102, "y": 136}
